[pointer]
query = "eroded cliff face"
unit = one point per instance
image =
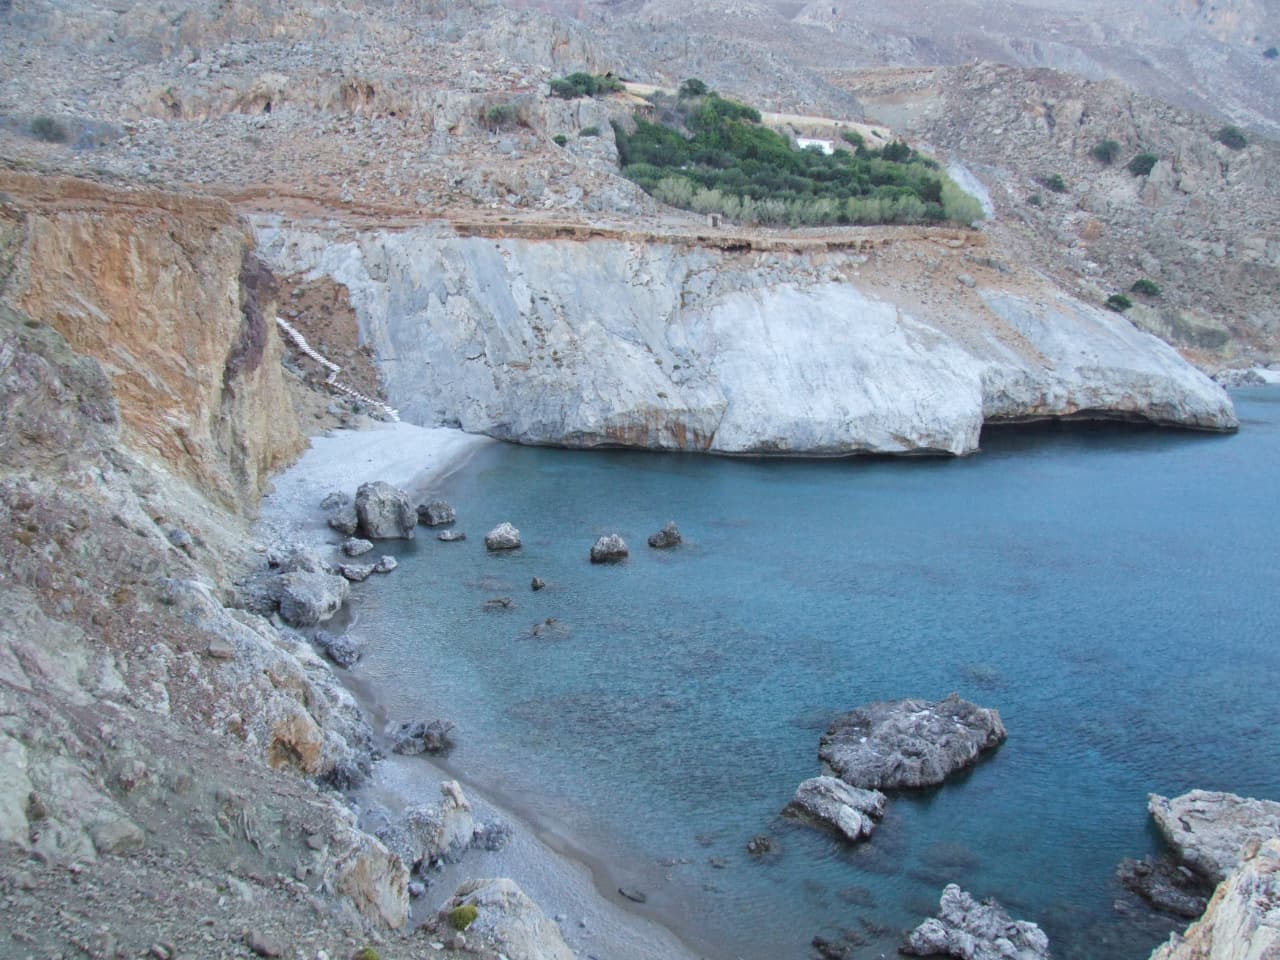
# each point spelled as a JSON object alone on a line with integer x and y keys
{"x": 902, "y": 346}
{"x": 166, "y": 293}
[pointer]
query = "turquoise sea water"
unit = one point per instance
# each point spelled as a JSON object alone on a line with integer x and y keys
{"x": 1113, "y": 591}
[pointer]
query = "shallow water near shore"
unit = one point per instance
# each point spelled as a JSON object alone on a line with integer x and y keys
{"x": 1113, "y": 591}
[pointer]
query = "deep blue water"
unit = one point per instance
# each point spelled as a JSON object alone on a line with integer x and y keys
{"x": 1114, "y": 592}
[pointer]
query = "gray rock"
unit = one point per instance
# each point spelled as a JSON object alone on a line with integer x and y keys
{"x": 829, "y": 802}
{"x": 493, "y": 835}
{"x": 181, "y": 539}
{"x": 436, "y": 513}
{"x": 1209, "y": 830}
{"x": 385, "y": 564}
{"x": 1166, "y": 885}
{"x": 420, "y": 736}
{"x": 344, "y": 520}
{"x": 761, "y": 845}
{"x": 450, "y": 536}
{"x": 384, "y": 512}
{"x": 668, "y": 536}
{"x": 894, "y": 744}
{"x": 264, "y": 944}
{"x": 343, "y": 649}
{"x": 310, "y": 598}
{"x": 433, "y": 833}
{"x": 355, "y": 547}
{"x": 500, "y": 603}
{"x": 356, "y": 572}
{"x": 537, "y": 583}
{"x": 417, "y": 889}
{"x": 334, "y": 500}
{"x": 502, "y": 537}
{"x": 634, "y": 895}
{"x": 609, "y": 549}
{"x": 975, "y": 931}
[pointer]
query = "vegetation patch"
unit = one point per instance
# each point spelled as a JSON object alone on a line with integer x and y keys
{"x": 501, "y": 115}
{"x": 1148, "y": 288}
{"x": 1143, "y": 164}
{"x": 1119, "y": 302}
{"x": 577, "y": 85}
{"x": 1054, "y": 182}
{"x": 559, "y": 139}
{"x": 1106, "y": 152}
{"x": 592, "y": 131}
{"x": 462, "y": 917}
{"x": 1232, "y": 137}
{"x": 707, "y": 153}
{"x": 49, "y": 130}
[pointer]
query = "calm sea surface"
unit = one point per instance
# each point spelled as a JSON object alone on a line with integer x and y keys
{"x": 1114, "y": 592}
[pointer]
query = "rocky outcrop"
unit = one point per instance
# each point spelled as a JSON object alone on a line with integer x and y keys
{"x": 310, "y": 598}
{"x": 437, "y": 513}
{"x": 832, "y": 803}
{"x": 502, "y": 537}
{"x": 668, "y": 536}
{"x": 384, "y": 513}
{"x": 609, "y": 549}
{"x": 671, "y": 345}
{"x": 421, "y": 736}
{"x": 1166, "y": 885}
{"x": 970, "y": 930}
{"x": 893, "y": 744}
{"x": 1209, "y": 830}
{"x": 343, "y": 649}
{"x": 507, "y": 921}
{"x": 427, "y": 834}
{"x": 1242, "y": 921}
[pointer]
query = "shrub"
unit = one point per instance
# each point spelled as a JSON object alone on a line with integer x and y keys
{"x": 1143, "y": 164}
{"x": 592, "y": 131}
{"x": 1055, "y": 183}
{"x": 1106, "y": 152}
{"x": 559, "y": 139}
{"x": 1036, "y": 200}
{"x": 501, "y": 115}
{"x": 1232, "y": 137}
{"x": 366, "y": 953}
{"x": 1271, "y": 53}
{"x": 581, "y": 84}
{"x": 692, "y": 88}
{"x": 49, "y": 130}
{"x": 1148, "y": 288}
{"x": 853, "y": 138}
{"x": 1119, "y": 302}
{"x": 564, "y": 89}
{"x": 462, "y": 917}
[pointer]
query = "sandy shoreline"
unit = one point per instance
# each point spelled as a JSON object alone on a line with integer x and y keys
{"x": 593, "y": 921}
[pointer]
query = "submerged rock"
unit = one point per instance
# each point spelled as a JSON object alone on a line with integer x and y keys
{"x": 385, "y": 564}
{"x": 609, "y": 549}
{"x": 344, "y": 649}
{"x": 893, "y": 744}
{"x": 537, "y": 583}
{"x": 828, "y": 802}
{"x": 384, "y": 513}
{"x": 1209, "y": 830}
{"x": 507, "y": 921}
{"x": 356, "y": 572}
{"x": 420, "y": 736}
{"x": 668, "y": 536}
{"x": 449, "y": 536}
{"x": 975, "y": 931}
{"x": 502, "y": 537}
{"x": 1165, "y": 885}
{"x": 355, "y": 547}
{"x": 436, "y": 513}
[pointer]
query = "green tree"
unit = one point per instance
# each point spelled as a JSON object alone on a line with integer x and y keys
{"x": 1106, "y": 152}
{"x": 1143, "y": 164}
{"x": 693, "y": 87}
{"x": 1232, "y": 137}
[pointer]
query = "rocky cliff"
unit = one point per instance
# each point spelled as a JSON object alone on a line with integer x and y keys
{"x": 903, "y": 342}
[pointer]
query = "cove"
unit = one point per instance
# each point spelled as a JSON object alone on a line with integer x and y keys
{"x": 1112, "y": 590}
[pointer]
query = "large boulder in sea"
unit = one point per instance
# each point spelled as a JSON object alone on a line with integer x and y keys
{"x": 894, "y": 744}
{"x": 384, "y": 512}
{"x": 502, "y": 537}
{"x": 668, "y": 536}
{"x": 436, "y": 513}
{"x": 310, "y": 598}
{"x": 1209, "y": 830}
{"x": 609, "y": 549}
{"x": 971, "y": 930}
{"x": 828, "y": 802}
{"x": 506, "y": 921}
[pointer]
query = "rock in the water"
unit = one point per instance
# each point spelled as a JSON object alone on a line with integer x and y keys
{"x": 975, "y": 931}
{"x": 436, "y": 513}
{"x": 892, "y": 744}
{"x": 1242, "y": 921}
{"x": 668, "y": 536}
{"x": 502, "y": 537}
{"x": 760, "y": 845}
{"x": 499, "y": 604}
{"x": 537, "y": 583}
{"x": 609, "y": 549}
{"x": 634, "y": 895}
{"x": 344, "y": 520}
{"x": 310, "y": 598}
{"x": 507, "y": 921}
{"x": 355, "y": 547}
{"x": 384, "y": 512}
{"x": 449, "y": 536}
{"x": 344, "y": 649}
{"x": 385, "y": 564}
{"x": 829, "y": 802}
{"x": 1166, "y": 885}
{"x": 420, "y": 736}
{"x": 356, "y": 572}
{"x": 1208, "y": 830}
